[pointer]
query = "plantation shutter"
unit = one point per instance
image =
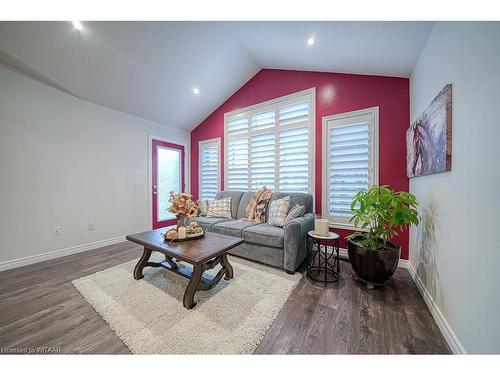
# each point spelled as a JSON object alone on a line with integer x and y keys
{"x": 294, "y": 160}
{"x": 294, "y": 148}
{"x": 237, "y": 153}
{"x": 349, "y": 166}
{"x": 351, "y": 144}
{"x": 209, "y": 169}
{"x": 270, "y": 145}
{"x": 237, "y": 163}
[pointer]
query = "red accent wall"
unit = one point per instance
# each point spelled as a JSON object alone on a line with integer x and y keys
{"x": 335, "y": 93}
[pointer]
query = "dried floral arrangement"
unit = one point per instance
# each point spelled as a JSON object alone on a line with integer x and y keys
{"x": 183, "y": 204}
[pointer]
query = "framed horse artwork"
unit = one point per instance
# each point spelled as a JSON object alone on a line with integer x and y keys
{"x": 428, "y": 140}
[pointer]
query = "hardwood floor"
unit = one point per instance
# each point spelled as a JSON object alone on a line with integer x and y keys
{"x": 39, "y": 307}
{"x": 347, "y": 318}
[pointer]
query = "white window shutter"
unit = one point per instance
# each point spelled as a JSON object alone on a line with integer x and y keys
{"x": 270, "y": 145}
{"x": 237, "y": 126}
{"x": 209, "y": 169}
{"x": 294, "y": 160}
{"x": 294, "y": 115}
{"x": 349, "y": 152}
{"x": 263, "y": 120}
{"x": 350, "y": 161}
{"x": 263, "y": 161}
{"x": 237, "y": 164}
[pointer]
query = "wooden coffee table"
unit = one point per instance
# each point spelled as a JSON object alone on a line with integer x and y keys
{"x": 203, "y": 254}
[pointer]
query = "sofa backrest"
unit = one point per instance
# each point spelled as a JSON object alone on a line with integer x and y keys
{"x": 240, "y": 200}
{"x": 304, "y": 199}
{"x": 245, "y": 199}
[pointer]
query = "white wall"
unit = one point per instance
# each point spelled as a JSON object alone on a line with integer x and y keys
{"x": 456, "y": 249}
{"x": 66, "y": 162}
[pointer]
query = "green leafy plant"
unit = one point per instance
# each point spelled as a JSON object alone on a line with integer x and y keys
{"x": 382, "y": 213}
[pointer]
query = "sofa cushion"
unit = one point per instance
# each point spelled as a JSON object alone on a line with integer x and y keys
{"x": 207, "y": 222}
{"x": 232, "y": 227}
{"x": 235, "y": 200}
{"x": 244, "y": 201}
{"x": 265, "y": 234}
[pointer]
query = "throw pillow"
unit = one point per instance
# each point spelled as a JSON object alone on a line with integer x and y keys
{"x": 203, "y": 207}
{"x": 220, "y": 208}
{"x": 295, "y": 212}
{"x": 278, "y": 210}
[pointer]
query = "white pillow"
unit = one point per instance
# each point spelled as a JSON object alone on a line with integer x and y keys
{"x": 278, "y": 210}
{"x": 203, "y": 207}
{"x": 220, "y": 208}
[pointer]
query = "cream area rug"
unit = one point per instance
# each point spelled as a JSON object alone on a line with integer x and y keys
{"x": 148, "y": 316}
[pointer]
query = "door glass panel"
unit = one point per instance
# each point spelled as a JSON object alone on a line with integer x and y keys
{"x": 169, "y": 179}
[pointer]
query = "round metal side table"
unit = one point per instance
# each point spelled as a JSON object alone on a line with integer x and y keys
{"x": 324, "y": 266}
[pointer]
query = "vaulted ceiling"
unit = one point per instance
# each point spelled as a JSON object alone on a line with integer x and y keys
{"x": 149, "y": 69}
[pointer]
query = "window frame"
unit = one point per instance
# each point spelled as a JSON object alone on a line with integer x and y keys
{"x": 373, "y": 157}
{"x": 202, "y": 144}
{"x": 275, "y": 104}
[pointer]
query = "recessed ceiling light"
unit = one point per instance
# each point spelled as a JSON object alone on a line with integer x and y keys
{"x": 196, "y": 91}
{"x": 310, "y": 41}
{"x": 77, "y": 25}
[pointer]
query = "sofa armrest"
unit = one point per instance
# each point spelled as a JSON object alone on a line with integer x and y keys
{"x": 296, "y": 240}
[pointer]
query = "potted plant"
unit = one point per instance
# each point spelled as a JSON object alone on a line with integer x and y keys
{"x": 379, "y": 214}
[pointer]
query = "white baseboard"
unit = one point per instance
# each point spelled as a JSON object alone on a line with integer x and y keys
{"x": 403, "y": 263}
{"x": 15, "y": 263}
{"x": 450, "y": 337}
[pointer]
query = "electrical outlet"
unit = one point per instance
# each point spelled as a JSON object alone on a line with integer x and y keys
{"x": 91, "y": 226}
{"x": 56, "y": 231}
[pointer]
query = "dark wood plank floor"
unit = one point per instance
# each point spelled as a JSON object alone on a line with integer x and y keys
{"x": 39, "y": 307}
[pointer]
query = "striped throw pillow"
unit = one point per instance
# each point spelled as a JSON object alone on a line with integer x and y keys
{"x": 295, "y": 212}
{"x": 278, "y": 210}
{"x": 220, "y": 208}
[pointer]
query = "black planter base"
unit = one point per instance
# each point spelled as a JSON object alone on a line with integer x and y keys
{"x": 369, "y": 285}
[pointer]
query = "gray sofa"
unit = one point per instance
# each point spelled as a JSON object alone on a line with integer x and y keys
{"x": 280, "y": 247}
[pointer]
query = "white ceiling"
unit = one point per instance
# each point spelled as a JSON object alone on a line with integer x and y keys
{"x": 150, "y": 68}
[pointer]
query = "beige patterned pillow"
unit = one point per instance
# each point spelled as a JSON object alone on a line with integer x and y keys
{"x": 220, "y": 208}
{"x": 278, "y": 211}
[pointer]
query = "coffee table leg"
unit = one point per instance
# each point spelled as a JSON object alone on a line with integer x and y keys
{"x": 228, "y": 267}
{"x": 170, "y": 261}
{"x": 188, "y": 299}
{"x": 141, "y": 264}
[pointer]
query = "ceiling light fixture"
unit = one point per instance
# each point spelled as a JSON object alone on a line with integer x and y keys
{"x": 310, "y": 41}
{"x": 77, "y": 25}
{"x": 196, "y": 91}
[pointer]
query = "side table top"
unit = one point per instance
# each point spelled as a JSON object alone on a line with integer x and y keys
{"x": 331, "y": 236}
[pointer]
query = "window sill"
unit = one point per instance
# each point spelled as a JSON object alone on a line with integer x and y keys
{"x": 345, "y": 226}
